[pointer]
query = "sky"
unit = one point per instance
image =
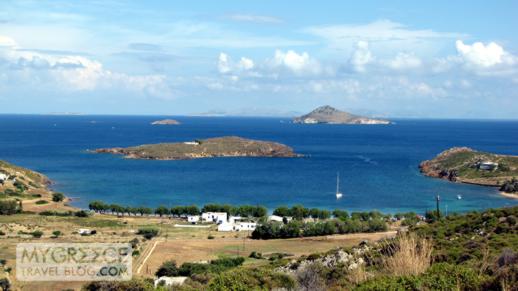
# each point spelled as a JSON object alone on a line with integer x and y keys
{"x": 407, "y": 59}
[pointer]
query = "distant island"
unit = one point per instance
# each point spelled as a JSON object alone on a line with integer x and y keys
{"x": 228, "y": 146}
{"x": 166, "y": 122}
{"x": 465, "y": 165}
{"x": 330, "y": 115}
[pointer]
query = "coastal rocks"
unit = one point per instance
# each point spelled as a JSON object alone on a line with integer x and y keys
{"x": 349, "y": 260}
{"x": 230, "y": 146}
{"x": 330, "y": 115}
{"x": 166, "y": 122}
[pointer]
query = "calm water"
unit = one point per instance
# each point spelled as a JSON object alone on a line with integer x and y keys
{"x": 378, "y": 164}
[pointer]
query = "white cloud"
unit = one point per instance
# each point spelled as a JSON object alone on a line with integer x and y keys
{"x": 404, "y": 61}
{"x": 482, "y": 55}
{"x": 224, "y": 63}
{"x": 245, "y": 64}
{"x": 361, "y": 56}
{"x": 254, "y": 18}
{"x": 76, "y": 73}
{"x": 6, "y": 41}
{"x": 388, "y": 35}
{"x": 295, "y": 62}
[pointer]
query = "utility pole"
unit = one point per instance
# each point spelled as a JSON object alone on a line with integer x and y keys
{"x": 438, "y": 199}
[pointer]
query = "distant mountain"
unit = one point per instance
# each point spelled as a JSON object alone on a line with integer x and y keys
{"x": 328, "y": 114}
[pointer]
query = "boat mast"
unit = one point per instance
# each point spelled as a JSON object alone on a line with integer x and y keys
{"x": 337, "y": 182}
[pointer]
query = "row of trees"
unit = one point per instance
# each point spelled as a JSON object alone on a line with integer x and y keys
{"x": 299, "y": 212}
{"x": 297, "y": 228}
{"x": 243, "y": 210}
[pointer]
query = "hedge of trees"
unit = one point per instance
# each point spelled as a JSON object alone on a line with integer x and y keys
{"x": 243, "y": 210}
{"x": 298, "y": 228}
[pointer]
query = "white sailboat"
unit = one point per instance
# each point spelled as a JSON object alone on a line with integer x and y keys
{"x": 338, "y": 193}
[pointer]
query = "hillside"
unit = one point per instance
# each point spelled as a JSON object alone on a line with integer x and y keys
{"x": 230, "y": 146}
{"x": 29, "y": 188}
{"x": 465, "y": 165}
{"x": 328, "y": 114}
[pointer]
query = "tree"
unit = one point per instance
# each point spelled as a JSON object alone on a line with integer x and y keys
{"x": 162, "y": 210}
{"x": 58, "y": 197}
{"x": 56, "y": 233}
{"x": 9, "y": 207}
{"x": 282, "y": 211}
{"x": 168, "y": 269}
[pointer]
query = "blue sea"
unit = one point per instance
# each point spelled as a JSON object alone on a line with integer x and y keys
{"x": 378, "y": 165}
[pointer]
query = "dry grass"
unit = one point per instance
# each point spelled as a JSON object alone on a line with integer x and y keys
{"x": 411, "y": 256}
{"x": 358, "y": 275}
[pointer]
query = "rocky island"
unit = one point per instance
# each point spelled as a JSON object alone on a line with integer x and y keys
{"x": 229, "y": 146}
{"x": 465, "y": 165}
{"x": 166, "y": 122}
{"x": 330, "y": 115}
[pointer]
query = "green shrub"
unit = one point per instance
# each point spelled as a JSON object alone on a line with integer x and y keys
{"x": 168, "y": 268}
{"x": 56, "y": 233}
{"x": 58, "y": 197}
{"x": 148, "y": 233}
{"x": 37, "y": 233}
{"x": 40, "y": 202}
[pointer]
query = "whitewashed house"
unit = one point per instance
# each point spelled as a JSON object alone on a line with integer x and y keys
{"x": 225, "y": 226}
{"x": 217, "y": 217}
{"x": 169, "y": 281}
{"x": 3, "y": 177}
{"x": 246, "y": 226}
{"x": 193, "y": 218}
{"x": 488, "y": 166}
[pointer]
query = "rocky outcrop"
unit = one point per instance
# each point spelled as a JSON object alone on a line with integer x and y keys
{"x": 209, "y": 148}
{"x": 330, "y": 115}
{"x": 465, "y": 165}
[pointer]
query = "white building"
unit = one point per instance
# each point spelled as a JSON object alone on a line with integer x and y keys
{"x": 275, "y": 218}
{"x": 226, "y": 227}
{"x": 233, "y": 219}
{"x": 170, "y": 281}
{"x": 192, "y": 142}
{"x": 279, "y": 218}
{"x": 193, "y": 218}
{"x": 237, "y": 226}
{"x": 84, "y": 231}
{"x": 488, "y": 166}
{"x": 217, "y": 217}
{"x": 3, "y": 177}
{"x": 246, "y": 226}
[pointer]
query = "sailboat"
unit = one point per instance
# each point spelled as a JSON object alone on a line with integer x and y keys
{"x": 338, "y": 193}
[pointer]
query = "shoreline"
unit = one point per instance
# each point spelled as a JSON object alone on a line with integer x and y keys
{"x": 508, "y": 195}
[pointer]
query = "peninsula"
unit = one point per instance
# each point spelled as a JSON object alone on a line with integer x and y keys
{"x": 465, "y": 165}
{"x": 166, "y": 122}
{"x": 24, "y": 189}
{"x": 228, "y": 146}
{"x": 330, "y": 115}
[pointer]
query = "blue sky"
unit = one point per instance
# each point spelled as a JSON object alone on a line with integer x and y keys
{"x": 400, "y": 59}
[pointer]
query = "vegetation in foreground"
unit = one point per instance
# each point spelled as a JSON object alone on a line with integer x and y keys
{"x": 475, "y": 251}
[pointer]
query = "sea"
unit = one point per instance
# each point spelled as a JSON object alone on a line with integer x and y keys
{"x": 378, "y": 164}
